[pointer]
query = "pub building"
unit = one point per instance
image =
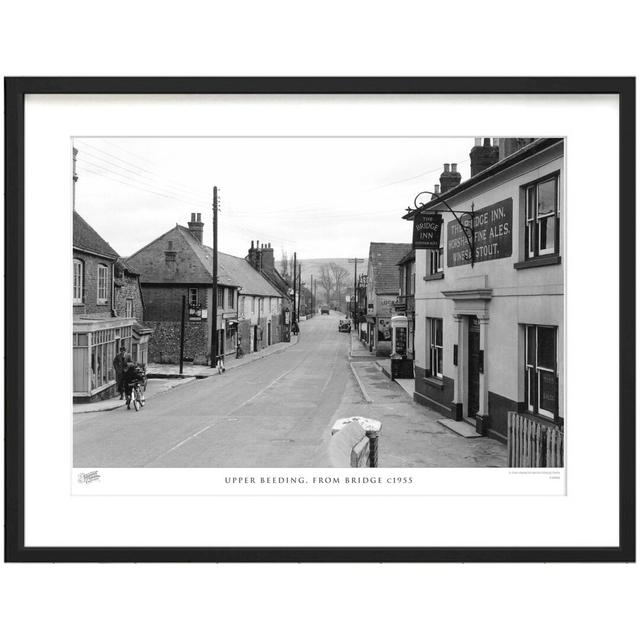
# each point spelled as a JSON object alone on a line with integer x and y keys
{"x": 489, "y": 336}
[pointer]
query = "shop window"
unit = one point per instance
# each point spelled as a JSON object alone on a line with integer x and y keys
{"x": 434, "y": 331}
{"x": 103, "y": 279}
{"x": 541, "y": 370}
{"x": 78, "y": 281}
{"x": 541, "y": 217}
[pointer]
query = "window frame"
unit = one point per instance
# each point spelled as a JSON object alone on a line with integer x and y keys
{"x": 220, "y": 296}
{"x": 80, "y": 285}
{"x": 533, "y": 370}
{"x": 102, "y": 268}
{"x": 435, "y": 259}
{"x": 532, "y": 219}
{"x": 436, "y": 351}
{"x": 194, "y": 296}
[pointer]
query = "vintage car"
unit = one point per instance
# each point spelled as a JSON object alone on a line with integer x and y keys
{"x": 324, "y": 310}
{"x": 345, "y": 326}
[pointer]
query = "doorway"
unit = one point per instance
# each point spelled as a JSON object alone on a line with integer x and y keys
{"x": 473, "y": 382}
{"x": 255, "y": 337}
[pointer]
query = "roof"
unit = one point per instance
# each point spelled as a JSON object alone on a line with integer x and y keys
{"x": 241, "y": 272}
{"x": 194, "y": 265}
{"x": 383, "y": 261}
{"x": 86, "y": 238}
{"x": 409, "y": 257}
{"x": 539, "y": 144}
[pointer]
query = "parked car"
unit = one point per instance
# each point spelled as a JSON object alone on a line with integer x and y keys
{"x": 344, "y": 326}
{"x": 324, "y": 310}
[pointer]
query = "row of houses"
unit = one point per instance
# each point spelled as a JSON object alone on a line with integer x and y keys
{"x": 484, "y": 337}
{"x": 137, "y": 302}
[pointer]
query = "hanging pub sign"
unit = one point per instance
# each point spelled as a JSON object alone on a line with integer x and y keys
{"x": 492, "y": 227}
{"x": 426, "y": 230}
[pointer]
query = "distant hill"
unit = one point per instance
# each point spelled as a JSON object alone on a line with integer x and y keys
{"x": 313, "y": 266}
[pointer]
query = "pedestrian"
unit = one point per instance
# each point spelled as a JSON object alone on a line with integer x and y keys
{"x": 119, "y": 364}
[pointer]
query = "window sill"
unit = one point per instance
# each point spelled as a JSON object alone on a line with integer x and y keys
{"x": 540, "y": 261}
{"x": 549, "y": 422}
{"x": 438, "y": 383}
{"x": 434, "y": 276}
{"x": 101, "y": 303}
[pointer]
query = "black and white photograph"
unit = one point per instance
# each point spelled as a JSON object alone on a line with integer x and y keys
{"x": 318, "y": 302}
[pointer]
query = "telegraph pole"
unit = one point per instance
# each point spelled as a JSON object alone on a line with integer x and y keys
{"x": 214, "y": 290}
{"x": 299, "y": 288}
{"x": 313, "y": 312}
{"x": 295, "y": 270}
{"x": 355, "y": 284}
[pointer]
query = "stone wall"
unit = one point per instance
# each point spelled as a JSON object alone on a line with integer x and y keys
{"x": 164, "y": 344}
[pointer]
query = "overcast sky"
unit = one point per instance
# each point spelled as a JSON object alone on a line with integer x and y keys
{"x": 322, "y": 197}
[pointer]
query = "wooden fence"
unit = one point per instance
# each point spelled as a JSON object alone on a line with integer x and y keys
{"x": 533, "y": 444}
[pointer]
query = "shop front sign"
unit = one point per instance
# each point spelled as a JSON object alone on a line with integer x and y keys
{"x": 426, "y": 231}
{"x": 492, "y": 233}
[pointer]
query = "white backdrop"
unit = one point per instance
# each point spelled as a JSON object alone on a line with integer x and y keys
{"x": 406, "y": 38}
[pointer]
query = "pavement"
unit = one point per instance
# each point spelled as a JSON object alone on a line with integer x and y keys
{"x": 277, "y": 412}
{"x": 204, "y": 371}
{"x": 411, "y": 434}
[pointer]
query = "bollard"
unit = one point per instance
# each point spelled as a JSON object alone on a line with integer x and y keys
{"x": 371, "y": 428}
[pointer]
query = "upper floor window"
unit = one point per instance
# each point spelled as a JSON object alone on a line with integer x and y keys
{"x": 541, "y": 216}
{"x": 103, "y": 280}
{"x": 231, "y": 298}
{"x": 241, "y": 305}
{"x": 435, "y": 258}
{"x": 253, "y": 304}
{"x": 541, "y": 370}
{"x": 78, "y": 281}
{"x": 434, "y": 328}
{"x": 193, "y": 297}
{"x": 220, "y": 297}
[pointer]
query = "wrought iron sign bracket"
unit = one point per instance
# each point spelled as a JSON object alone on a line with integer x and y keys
{"x": 469, "y": 236}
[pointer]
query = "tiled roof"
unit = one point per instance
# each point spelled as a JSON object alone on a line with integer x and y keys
{"x": 409, "y": 257}
{"x": 383, "y": 260}
{"x": 86, "y": 238}
{"x": 193, "y": 264}
{"x": 244, "y": 275}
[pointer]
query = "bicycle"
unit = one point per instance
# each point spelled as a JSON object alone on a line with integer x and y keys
{"x": 137, "y": 396}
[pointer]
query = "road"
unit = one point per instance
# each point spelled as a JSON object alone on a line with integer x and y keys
{"x": 273, "y": 412}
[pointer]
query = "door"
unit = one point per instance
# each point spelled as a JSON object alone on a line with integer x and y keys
{"x": 473, "y": 384}
{"x": 269, "y": 334}
{"x": 255, "y": 337}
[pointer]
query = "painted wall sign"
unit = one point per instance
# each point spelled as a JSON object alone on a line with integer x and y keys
{"x": 493, "y": 235}
{"x": 426, "y": 230}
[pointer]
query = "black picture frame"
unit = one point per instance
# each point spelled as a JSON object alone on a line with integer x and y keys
{"x": 15, "y": 91}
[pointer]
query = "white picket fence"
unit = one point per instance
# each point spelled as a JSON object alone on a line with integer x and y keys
{"x": 533, "y": 444}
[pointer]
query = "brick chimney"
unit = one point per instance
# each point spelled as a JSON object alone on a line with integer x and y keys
{"x": 254, "y": 255}
{"x": 195, "y": 226}
{"x": 483, "y": 156}
{"x": 267, "y": 262}
{"x": 449, "y": 178}
{"x": 436, "y": 191}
